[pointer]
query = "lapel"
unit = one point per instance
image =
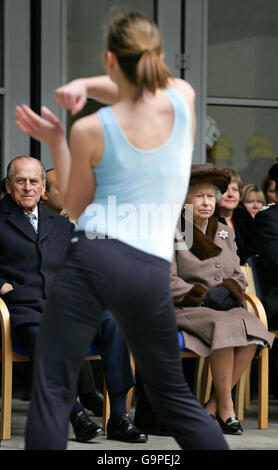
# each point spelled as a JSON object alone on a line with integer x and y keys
{"x": 16, "y": 217}
{"x": 46, "y": 221}
{"x": 203, "y": 245}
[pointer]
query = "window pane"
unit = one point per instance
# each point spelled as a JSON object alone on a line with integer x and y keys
{"x": 86, "y": 21}
{"x": 242, "y": 49}
{"x": 248, "y": 141}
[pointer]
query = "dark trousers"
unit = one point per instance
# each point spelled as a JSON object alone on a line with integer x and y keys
{"x": 113, "y": 351}
{"x": 105, "y": 274}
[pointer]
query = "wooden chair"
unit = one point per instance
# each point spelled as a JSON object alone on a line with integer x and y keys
{"x": 254, "y": 306}
{"x": 203, "y": 377}
{"x": 9, "y": 354}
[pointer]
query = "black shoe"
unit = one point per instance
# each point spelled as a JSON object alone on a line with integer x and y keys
{"x": 84, "y": 428}
{"x": 93, "y": 402}
{"x": 123, "y": 429}
{"x": 231, "y": 426}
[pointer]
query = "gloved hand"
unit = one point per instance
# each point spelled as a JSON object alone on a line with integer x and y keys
{"x": 219, "y": 298}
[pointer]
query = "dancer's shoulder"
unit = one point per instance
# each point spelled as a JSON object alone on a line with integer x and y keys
{"x": 186, "y": 90}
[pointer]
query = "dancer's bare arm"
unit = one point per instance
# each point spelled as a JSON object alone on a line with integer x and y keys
{"x": 73, "y": 96}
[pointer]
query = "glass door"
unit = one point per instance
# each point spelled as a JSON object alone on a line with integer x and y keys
{"x": 242, "y": 85}
{"x": 86, "y": 22}
{"x": 14, "y": 76}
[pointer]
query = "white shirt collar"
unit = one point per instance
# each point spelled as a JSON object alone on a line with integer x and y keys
{"x": 34, "y": 212}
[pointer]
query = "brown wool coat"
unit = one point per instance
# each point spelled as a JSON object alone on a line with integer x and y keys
{"x": 211, "y": 261}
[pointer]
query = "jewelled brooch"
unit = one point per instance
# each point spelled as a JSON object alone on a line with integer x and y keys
{"x": 223, "y": 234}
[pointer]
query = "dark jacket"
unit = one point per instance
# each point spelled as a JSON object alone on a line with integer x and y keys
{"x": 29, "y": 261}
{"x": 266, "y": 230}
{"x": 244, "y": 232}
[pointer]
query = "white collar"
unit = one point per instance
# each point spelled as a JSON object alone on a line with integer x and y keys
{"x": 34, "y": 212}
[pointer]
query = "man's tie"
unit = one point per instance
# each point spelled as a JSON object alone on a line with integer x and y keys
{"x": 31, "y": 218}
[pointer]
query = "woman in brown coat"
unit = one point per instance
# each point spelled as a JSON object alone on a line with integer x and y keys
{"x": 208, "y": 288}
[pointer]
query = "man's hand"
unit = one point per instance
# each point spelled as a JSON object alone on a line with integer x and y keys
{"x": 6, "y": 288}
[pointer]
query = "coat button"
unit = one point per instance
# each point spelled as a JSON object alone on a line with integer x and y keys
{"x": 217, "y": 265}
{"x": 217, "y": 278}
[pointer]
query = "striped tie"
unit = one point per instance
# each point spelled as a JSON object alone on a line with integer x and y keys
{"x": 31, "y": 218}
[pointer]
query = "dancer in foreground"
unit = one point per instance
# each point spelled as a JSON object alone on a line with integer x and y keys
{"x": 133, "y": 155}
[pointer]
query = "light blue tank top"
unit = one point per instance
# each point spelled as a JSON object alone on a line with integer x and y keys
{"x": 140, "y": 193}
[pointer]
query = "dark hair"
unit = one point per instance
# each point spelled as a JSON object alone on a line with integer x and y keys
{"x": 235, "y": 178}
{"x": 3, "y": 188}
{"x": 47, "y": 184}
{"x": 136, "y": 42}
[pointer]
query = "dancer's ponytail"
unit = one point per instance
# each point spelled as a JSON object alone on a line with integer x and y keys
{"x": 136, "y": 42}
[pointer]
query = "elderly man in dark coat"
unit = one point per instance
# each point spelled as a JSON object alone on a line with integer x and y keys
{"x": 208, "y": 287}
{"x": 33, "y": 244}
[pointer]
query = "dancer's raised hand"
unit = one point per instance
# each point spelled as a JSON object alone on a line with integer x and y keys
{"x": 49, "y": 130}
{"x": 72, "y": 96}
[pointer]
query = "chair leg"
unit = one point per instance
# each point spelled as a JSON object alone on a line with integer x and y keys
{"x": 247, "y": 389}
{"x": 6, "y": 405}
{"x": 263, "y": 364}
{"x": 198, "y": 378}
{"x": 131, "y": 390}
{"x": 239, "y": 398}
{"x": 106, "y": 407}
{"x": 206, "y": 382}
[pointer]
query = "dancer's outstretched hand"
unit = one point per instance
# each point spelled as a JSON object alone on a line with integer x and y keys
{"x": 49, "y": 130}
{"x": 72, "y": 96}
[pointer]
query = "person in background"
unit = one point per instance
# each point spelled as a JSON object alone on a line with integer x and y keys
{"x": 266, "y": 229}
{"x": 33, "y": 244}
{"x": 230, "y": 211}
{"x": 252, "y": 198}
{"x": 269, "y": 190}
{"x": 3, "y": 189}
{"x": 208, "y": 290}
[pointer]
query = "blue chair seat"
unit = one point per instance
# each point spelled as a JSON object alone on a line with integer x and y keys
{"x": 181, "y": 343}
{"x": 93, "y": 349}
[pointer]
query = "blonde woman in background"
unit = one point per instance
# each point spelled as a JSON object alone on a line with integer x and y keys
{"x": 252, "y": 198}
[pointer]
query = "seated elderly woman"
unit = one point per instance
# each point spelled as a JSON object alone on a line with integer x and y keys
{"x": 208, "y": 288}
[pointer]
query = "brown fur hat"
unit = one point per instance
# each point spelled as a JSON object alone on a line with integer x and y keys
{"x": 205, "y": 173}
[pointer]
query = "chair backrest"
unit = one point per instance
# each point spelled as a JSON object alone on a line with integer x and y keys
{"x": 248, "y": 274}
{"x": 260, "y": 280}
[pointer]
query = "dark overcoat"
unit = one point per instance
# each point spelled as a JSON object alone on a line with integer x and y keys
{"x": 29, "y": 261}
{"x": 266, "y": 229}
{"x": 212, "y": 261}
